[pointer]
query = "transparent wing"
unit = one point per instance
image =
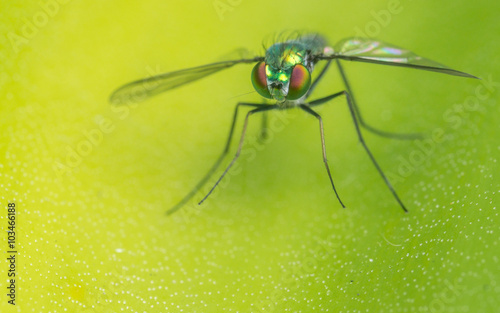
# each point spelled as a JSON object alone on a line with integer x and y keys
{"x": 237, "y": 54}
{"x": 372, "y": 51}
{"x": 142, "y": 89}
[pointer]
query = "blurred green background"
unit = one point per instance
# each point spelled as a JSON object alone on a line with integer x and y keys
{"x": 92, "y": 233}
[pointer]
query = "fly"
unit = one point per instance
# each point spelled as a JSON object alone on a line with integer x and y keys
{"x": 283, "y": 75}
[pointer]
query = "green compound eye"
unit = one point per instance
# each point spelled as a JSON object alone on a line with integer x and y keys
{"x": 259, "y": 80}
{"x": 300, "y": 81}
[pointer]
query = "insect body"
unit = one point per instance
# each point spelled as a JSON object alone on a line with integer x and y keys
{"x": 284, "y": 74}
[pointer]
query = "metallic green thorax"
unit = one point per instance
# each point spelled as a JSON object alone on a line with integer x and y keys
{"x": 282, "y": 57}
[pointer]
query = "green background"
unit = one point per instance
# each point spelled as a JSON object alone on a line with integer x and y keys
{"x": 91, "y": 230}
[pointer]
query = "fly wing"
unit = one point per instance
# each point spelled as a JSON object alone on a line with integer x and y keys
{"x": 142, "y": 89}
{"x": 373, "y": 51}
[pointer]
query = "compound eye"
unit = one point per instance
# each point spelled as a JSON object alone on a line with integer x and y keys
{"x": 300, "y": 81}
{"x": 259, "y": 80}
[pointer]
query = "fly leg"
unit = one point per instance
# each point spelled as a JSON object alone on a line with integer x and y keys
{"x": 218, "y": 161}
{"x": 260, "y": 108}
{"x": 323, "y": 147}
{"x": 361, "y": 139}
{"x": 263, "y": 131}
{"x": 362, "y": 121}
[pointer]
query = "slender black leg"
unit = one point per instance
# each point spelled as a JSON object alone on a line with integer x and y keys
{"x": 261, "y": 108}
{"x": 263, "y": 131}
{"x": 217, "y": 163}
{"x": 323, "y": 147}
{"x": 361, "y": 139}
{"x": 318, "y": 79}
{"x": 362, "y": 121}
